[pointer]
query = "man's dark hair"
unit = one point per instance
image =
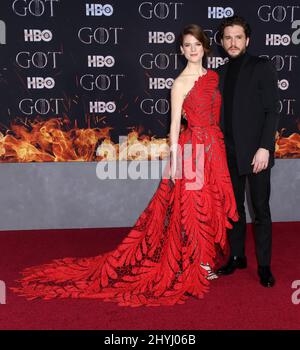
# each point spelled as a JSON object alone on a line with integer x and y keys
{"x": 235, "y": 20}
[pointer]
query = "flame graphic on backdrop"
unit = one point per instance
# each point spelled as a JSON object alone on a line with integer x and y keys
{"x": 54, "y": 140}
{"x": 287, "y": 147}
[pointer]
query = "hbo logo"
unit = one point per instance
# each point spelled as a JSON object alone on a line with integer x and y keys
{"x": 277, "y": 39}
{"x": 101, "y": 61}
{"x": 220, "y": 12}
{"x": 283, "y": 84}
{"x": 102, "y": 107}
{"x": 161, "y": 37}
{"x": 40, "y": 83}
{"x": 160, "y": 83}
{"x": 37, "y": 35}
{"x": 215, "y": 62}
{"x": 98, "y": 10}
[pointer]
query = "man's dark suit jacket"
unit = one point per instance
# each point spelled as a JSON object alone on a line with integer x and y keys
{"x": 255, "y": 110}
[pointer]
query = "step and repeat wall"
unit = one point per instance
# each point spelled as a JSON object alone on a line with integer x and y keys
{"x": 77, "y": 74}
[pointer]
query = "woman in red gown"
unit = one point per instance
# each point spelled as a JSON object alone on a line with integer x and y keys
{"x": 171, "y": 251}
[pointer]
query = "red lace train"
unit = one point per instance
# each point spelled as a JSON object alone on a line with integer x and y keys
{"x": 158, "y": 263}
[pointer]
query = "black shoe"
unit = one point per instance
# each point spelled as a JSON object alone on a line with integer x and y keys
{"x": 235, "y": 262}
{"x": 266, "y": 277}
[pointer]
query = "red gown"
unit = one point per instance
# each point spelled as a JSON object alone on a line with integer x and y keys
{"x": 158, "y": 263}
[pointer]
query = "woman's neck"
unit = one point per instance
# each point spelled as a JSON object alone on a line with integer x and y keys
{"x": 195, "y": 69}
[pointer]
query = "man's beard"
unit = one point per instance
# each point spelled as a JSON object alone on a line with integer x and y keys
{"x": 238, "y": 55}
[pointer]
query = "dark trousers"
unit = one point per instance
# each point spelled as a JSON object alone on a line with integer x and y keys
{"x": 259, "y": 185}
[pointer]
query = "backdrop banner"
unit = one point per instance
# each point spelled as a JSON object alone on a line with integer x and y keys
{"x": 75, "y": 75}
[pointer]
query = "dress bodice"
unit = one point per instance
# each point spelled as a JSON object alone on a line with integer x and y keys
{"x": 203, "y": 102}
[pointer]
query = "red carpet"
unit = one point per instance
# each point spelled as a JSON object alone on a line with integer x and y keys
{"x": 234, "y": 302}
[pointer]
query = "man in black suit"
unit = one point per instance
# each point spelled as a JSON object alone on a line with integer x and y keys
{"x": 249, "y": 120}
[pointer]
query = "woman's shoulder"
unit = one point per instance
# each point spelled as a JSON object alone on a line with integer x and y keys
{"x": 178, "y": 83}
{"x": 181, "y": 81}
{"x": 182, "y": 78}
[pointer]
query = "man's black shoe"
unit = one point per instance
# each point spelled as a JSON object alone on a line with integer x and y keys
{"x": 266, "y": 277}
{"x": 235, "y": 262}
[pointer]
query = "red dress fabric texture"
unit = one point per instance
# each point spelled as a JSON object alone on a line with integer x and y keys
{"x": 158, "y": 263}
